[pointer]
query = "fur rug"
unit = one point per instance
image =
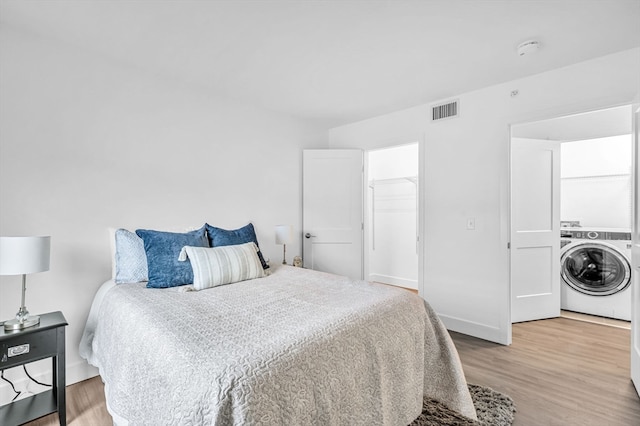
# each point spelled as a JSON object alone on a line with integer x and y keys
{"x": 493, "y": 409}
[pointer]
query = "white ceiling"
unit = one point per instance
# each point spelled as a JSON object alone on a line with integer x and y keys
{"x": 336, "y": 62}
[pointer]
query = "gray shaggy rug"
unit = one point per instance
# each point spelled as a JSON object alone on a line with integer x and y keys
{"x": 493, "y": 409}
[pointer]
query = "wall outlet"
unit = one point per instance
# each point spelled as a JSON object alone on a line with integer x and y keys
{"x": 471, "y": 223}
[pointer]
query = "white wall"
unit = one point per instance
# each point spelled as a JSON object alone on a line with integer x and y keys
{"x": 596, "y": 185}
{"x": 467, "y": 175}
{"x": 87, "y": 144}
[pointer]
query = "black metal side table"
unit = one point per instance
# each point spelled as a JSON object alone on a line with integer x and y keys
{"x": 45, "y": 340}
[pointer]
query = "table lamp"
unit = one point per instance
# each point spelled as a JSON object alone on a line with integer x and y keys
{"x": 22, "y": 256}
{"x": 284, "y": 234}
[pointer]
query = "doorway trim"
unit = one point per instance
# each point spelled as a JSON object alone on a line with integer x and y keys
{"x": 544, "y": 117}
{"x": 420, "y": 140}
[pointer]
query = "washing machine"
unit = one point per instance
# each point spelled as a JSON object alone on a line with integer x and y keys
{"x": 596, "y": 271}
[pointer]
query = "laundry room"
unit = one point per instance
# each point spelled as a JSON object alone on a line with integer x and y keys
{"x": 596, "y": 217}
{"x": 593, "y": 214}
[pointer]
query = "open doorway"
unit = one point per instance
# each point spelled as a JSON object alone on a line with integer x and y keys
{"x": 590, "y": 242}
{"x": 391, "y": 216}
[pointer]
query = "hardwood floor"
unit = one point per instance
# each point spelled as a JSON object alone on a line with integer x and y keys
{"x": 85, "y": 406}
{"x": 412, "y": 290}
{"x": 559, "y": 372}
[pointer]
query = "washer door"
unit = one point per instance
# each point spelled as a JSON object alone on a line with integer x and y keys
{"x": 595, "y": 268}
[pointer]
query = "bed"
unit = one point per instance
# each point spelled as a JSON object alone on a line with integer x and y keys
{"x": 295, "y": 347}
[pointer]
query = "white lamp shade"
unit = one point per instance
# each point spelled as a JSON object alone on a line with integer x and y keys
{"x": 284, "y": 234}
{"x": 24, "y": 255}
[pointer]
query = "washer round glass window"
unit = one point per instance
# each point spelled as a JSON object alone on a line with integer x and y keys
{"x": 595, "y": 269}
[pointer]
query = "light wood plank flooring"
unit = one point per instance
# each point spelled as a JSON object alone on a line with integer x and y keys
{"x": 559, "y": 372}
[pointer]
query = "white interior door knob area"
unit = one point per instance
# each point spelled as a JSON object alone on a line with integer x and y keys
{"x": 332, "y": 211}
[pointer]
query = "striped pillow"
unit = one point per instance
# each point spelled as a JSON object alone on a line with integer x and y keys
{"x": 214, "y": 266}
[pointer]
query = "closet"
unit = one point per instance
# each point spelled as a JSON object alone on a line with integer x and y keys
{"x": 392, "y": 213}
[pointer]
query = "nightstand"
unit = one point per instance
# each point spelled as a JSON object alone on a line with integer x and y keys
{"x": 45, "y": 340}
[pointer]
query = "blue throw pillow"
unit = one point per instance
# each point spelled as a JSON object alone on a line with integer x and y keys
{"x": 223, "y": 237}
{"x": 163, "y": 250}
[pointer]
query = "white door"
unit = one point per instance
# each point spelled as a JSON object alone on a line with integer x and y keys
{"x": 332, "y": 209}
{"x": 535, "y": 229}
{"x": 635, "y": 261}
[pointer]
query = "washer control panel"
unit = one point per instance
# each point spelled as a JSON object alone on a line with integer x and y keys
{"x": 596, "y": 235}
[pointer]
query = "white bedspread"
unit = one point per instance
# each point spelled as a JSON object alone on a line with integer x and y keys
{"x": 296, "y": 348}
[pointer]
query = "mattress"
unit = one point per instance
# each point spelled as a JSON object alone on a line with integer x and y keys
{"x": 297, "y": 347}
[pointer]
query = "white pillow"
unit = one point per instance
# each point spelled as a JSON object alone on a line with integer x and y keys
{"x": 130, "y": 258}
{"x": 214, "y": 266}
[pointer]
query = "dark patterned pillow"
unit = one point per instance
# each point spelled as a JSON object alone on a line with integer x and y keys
{"x": 224, "y": 237}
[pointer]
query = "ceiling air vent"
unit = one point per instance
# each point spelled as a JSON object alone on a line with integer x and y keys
{"x": 443, "y": 111}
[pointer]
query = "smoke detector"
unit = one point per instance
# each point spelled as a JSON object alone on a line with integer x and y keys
{"x": 528, "y": 47}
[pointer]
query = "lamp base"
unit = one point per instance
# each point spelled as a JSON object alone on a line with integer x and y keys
{"x": 27, "y": 322}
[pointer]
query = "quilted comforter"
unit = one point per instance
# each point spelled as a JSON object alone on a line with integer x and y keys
{"x": 298, "y": 347}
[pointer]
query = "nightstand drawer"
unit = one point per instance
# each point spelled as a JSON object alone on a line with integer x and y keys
{"x": 28, "y": 347}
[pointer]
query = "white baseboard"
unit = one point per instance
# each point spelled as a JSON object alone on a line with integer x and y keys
{"x": 41, "y": 371}
{"x": 399, "y": 281}
{"x": 80, "y": 371}
{"x": 479, "y": 330}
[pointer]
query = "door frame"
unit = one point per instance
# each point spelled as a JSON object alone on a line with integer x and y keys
{"x": 420, "y": 140}
{"x": 550, "y": 116}
{"x": 367, "y": 211}
{"x": 635, "y": 251}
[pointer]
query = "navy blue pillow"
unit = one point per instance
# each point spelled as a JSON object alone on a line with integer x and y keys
{"x": 163, "y": 250}
{"x": 223, "y": 237}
